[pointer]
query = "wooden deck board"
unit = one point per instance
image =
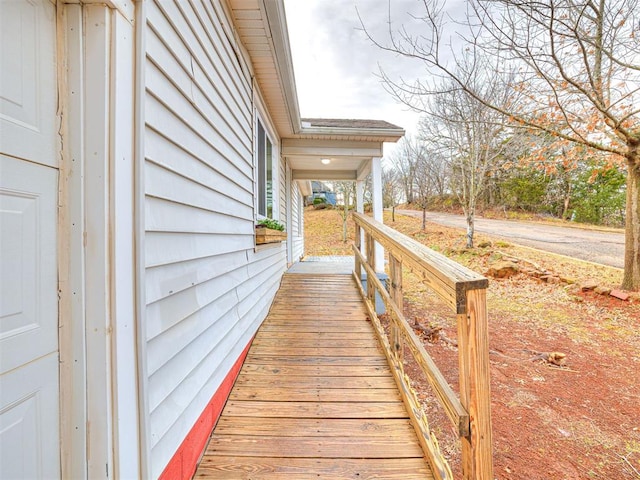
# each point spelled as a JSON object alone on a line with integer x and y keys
{"x": 315, "y": 427}
{"x": 301, "y": 381}
{"x": 237, "y": 468}
{"x": 284, "y": 360}
{"x": 338, "y": 370}
{"x": 315, "y": 394}
{"x": 315, "y": 397}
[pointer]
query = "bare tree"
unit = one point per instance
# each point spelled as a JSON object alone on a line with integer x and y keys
{"x": 471, "y": 136}
{"x": 404, "y": 163}
{"x": 347, "y": 189}
{"x": 391, "y": 190}
{"x": 427, "y": 179}
{"x": 574, "y": 65}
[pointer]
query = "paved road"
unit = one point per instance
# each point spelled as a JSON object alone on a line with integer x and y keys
{"x": 602, "y": 247}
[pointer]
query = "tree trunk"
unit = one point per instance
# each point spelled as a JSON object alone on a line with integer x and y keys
{"x": 393, "y": 212}
{"x": 470, "y": 229}
{"x": 344, "y": 231}
{"x": 631, "y": 280}
{"x": 345, "y": 214}
{"x": 567, "y": 200}
{"x": 424, "y": 218}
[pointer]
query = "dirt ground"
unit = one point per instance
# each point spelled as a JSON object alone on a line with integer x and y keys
{"x": 576, "y": 421}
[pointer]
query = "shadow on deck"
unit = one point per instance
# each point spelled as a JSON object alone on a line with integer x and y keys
{"x": 315, "y": 397}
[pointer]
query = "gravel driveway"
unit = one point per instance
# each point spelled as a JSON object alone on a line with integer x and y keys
{"x": 604, "y": 247}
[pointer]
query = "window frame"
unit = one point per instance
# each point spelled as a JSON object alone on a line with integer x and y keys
{"x": 263, "y": 138}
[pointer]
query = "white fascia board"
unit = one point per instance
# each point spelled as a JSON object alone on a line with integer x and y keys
{"x": 277, "y": 21}
{"x": 381, "y": 134}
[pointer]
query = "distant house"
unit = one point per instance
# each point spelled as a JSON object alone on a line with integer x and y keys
{"x": 322, "y": 191}
{"x": 140, "y": 142}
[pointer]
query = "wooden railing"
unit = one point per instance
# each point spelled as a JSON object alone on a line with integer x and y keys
{"x": 465, "y": 292}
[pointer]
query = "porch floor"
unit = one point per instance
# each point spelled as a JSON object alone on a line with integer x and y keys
{"x": 315, "y": 397}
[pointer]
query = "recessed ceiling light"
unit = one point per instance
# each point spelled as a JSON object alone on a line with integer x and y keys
{"x": 325, "y": 161}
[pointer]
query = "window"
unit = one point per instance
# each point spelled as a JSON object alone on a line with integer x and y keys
{"x": 265, "y": 173}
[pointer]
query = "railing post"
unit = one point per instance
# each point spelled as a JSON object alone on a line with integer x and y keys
{"x": 371, "y": 261}
{"x": 395, "y": 278}
{"x": 358, "y": 244}
{"x": 475, "y": 393}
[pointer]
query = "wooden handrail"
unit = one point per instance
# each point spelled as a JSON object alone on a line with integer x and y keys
{"x": 465, "y": 291}
{"x": 448, "y": 279}
{"x": 452, "y": 406}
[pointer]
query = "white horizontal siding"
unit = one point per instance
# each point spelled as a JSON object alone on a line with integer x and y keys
{"x": 297, "y": 226}
{"x": 166, "y": 216}
{"x": 171, "y": 278}
{"x": 179, "y": 409}
{"x": 205, "y": 54}
{"x": 162, "y": 248}
{"x": 213, "y": 170}
{"x": 207, "y": 288}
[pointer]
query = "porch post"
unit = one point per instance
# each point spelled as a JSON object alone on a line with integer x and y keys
{"x": 359, "y": 196}
{"x": 360, "y": 205}
{"x": 376, "y": 200}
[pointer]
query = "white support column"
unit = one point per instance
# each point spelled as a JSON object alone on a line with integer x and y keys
{"x": 376, "y": 200}
{"x": 360, "y": 196}
{"x": 360, "y": 204}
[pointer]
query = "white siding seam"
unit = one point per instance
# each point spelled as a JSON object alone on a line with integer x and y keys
{"x": 199, "y": 327}
{"x": 206, "y": 187}
{"x": 236, "y": 247}
{"x": 189, "y": 127}
{"x": 236, "y": 315}
{"x": 233, "y": 44}
{"x": 191, "y": 154}
{"x": 228, "y": 212}
{"x": 183, "y": 108}
{"x": 172, "y": 20}
{"x": 252, "y": 326}
{"x": 220, "y": 116}
{"x": 219, "y": 264}
{"x": 239, "y": 72}
{"x": 166, "y": 383}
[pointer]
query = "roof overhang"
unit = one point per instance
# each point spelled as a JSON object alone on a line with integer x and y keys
{"x": 262, "y": 29}
{"x": 349, "y": 145}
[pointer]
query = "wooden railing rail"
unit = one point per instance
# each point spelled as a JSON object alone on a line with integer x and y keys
{"x": 463, "y": 290}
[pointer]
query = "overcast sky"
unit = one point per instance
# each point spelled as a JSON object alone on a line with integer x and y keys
{"x": 336, "y": 65}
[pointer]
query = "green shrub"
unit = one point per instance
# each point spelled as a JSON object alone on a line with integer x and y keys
{"x": 599, "y": 197}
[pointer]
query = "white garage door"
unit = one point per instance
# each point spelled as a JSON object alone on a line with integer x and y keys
{"x": 29, "y": 385}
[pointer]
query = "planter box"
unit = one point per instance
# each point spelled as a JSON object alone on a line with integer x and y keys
{"x": 268, "y": 235}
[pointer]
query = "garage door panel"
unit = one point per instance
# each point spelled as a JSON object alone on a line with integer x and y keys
{"x": 29, "y": 421}
{"x": 28, "y": 94}
{"x": 29, "y": 151}
{"x": 28, "y": 269}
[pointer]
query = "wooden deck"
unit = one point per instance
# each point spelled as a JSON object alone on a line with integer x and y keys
{"x": 315, "y": 397}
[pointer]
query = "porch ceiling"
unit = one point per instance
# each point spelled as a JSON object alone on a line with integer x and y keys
{"x": 329, "y": 159}
{"x": 337, "y": 149}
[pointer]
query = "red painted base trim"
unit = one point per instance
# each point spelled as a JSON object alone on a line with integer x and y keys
{"x": 182, "y": 465}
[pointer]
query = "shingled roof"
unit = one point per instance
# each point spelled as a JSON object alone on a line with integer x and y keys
{"x": 348, "y": 123}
